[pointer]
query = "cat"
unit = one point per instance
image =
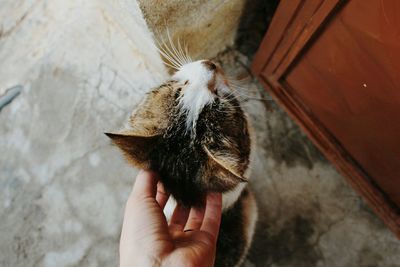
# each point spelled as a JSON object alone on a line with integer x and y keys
{"x": 193, "y": 132}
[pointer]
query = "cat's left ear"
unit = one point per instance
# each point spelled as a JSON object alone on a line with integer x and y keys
{"x": 136, "y": 148}
{"x": 229, "y": 163}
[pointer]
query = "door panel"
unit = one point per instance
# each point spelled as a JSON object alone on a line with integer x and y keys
{"x": 335, "y": 68}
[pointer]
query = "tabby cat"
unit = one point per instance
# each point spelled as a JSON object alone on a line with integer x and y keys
{"x": 193, "y": 132}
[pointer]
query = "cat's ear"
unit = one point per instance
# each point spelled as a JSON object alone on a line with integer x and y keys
{"x": 136, "y": 148}
{"x": 228, "y": 165}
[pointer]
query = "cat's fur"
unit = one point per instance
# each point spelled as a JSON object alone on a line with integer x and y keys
{"x": 193, "y": 132}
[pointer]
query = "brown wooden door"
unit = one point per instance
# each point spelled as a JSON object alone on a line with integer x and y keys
{"x": 335, "y": 65}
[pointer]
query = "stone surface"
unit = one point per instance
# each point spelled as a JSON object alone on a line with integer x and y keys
{"x": 83, "y": 66}
{"x": 207, "y": 27}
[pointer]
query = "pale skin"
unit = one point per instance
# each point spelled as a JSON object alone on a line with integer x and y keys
{"x": 148, "y": 240}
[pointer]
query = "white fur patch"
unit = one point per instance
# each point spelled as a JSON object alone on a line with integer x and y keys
{"x": 169, "y": 208}
{"x": 195, "y": 94}
{"x": 229, "y": 198}
{"x": 251, "y": 218}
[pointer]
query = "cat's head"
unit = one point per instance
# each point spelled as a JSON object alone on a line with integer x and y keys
{"x": 191, "y": 130}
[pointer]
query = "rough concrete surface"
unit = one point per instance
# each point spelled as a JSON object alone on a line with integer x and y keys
{"x": 83, "y": 66}
{"x": 207, "y": 27}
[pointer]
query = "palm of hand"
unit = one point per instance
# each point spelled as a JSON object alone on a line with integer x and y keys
{"x": 148, "y": 240}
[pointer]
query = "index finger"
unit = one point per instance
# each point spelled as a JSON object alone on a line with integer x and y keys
{"x": 145, "y": 184}
{"x": 212, "y": 215}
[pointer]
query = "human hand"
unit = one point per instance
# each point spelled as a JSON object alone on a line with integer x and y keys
{"x": 148, "y": 240}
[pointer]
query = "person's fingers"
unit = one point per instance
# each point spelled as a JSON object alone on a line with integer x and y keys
{"x": 143, "y": 216}
{"x": 145, "y": 184}
{"x": 162, "y": 196}
{"x": 195, "y": 218}
{"x": 179, "y": 218}
{"x": 212, "y": 215}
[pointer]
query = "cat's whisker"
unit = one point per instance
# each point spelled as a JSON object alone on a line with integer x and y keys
{"x": 174, "y": 50}
{"x": 236, "y": 95}
{"x": 182, "y": 53}
{"x": 233, "y": 94}
{"x": 171, "y": 54}
{"x": 171, "y": 66}
{"x": 170, "y": 60}
{"x": 179, "y": 53}
{"x": 185, "y": 52}
{"x": 240, "y": 91}
{"x": 234, "y": 78}
{"x": 238, "y": 83}
{"x": 230, "y": 95}
{"x": 166, "y": 55}
{"x": 246, "y": 97}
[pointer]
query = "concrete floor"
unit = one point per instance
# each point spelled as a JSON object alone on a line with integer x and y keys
{"x": 309, "y": 216}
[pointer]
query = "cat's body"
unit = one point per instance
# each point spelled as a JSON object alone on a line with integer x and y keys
{"x": 193, "y": 132}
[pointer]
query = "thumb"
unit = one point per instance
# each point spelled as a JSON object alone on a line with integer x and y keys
{"x": 145, "y": 184}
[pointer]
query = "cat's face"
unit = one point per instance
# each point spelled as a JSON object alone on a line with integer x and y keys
{"x": 191, "y": 130}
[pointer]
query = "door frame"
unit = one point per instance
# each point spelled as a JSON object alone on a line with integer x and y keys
{"x": 295, "y": 25}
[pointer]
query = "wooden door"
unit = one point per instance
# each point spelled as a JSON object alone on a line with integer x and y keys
{"x": 334, "y": 66}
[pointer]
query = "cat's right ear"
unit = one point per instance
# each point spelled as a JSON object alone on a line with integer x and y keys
{"x": 136, "y": 149}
